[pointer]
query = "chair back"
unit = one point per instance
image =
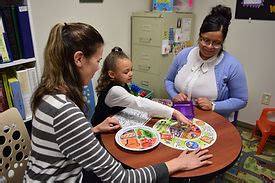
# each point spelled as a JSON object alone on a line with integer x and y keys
{"x": 265, "y": 118}
{"x": 14, "y": 145}
{"x": 235, "y": 118}
{"x": 90, "y": 99}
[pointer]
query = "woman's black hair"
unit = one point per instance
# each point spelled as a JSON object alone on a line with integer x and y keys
{"x": 218, "y": 20}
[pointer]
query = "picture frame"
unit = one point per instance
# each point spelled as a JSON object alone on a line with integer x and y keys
{"x": 91, "y": 1}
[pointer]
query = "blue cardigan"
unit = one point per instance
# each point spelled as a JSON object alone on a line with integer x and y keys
{"x": 230, "y": 78}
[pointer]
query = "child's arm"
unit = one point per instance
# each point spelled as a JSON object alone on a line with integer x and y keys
{"x": 118, "y": 96}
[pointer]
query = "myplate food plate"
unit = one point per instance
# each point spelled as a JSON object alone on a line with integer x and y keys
{"x": 137, "y": 138}
{"x": 199, "y": 135}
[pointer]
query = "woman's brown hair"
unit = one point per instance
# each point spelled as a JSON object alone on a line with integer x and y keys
{"x": 60, "y": 74}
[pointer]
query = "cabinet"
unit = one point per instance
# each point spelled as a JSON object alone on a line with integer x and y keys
{"x": 18, "y": 45}
{"x": 155, "y": 39}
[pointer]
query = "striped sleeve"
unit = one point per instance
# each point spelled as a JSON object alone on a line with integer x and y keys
{"x": 78, "y": 143}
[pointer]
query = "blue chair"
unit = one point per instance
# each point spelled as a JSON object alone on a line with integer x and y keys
{"x": 90, "y": 100}
{"x": 236, "y": 113}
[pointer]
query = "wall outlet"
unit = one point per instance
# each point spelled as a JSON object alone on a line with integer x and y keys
{"x": 266, "y": 97}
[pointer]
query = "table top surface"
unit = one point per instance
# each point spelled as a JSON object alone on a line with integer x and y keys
{"x": 225, "y": 150}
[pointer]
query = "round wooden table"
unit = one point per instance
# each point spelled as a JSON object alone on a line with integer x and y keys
{"x": 225, "y": 150}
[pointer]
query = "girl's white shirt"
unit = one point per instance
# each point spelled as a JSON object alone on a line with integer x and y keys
{"x": 118, "y": 96}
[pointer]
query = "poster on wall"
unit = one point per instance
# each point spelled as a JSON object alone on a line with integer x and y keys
{"x": 255, "y": 9}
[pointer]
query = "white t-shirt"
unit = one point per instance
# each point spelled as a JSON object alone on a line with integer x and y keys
{"x": 118, "y": 96}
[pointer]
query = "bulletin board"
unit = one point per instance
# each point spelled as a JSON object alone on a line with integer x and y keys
{"x": 255, "y": 9}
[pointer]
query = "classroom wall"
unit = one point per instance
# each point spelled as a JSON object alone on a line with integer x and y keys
{"x": 250, "y": 42}
{"x": 111, "y": 18}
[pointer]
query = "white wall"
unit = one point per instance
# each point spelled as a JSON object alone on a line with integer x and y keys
{"x": 252, "y": 43}
{"x": 111, "y": 18}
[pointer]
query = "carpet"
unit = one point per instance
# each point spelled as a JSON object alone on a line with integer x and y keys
{"x": 252, "y": 168}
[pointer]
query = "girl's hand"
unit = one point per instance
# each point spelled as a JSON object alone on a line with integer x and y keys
{"x": 108, "y": 125}
{"x": 181, "y": 118}
{"x": 189, "y": 160}
{"x": 204, "y": 103}
{"x": 180, "y": 97}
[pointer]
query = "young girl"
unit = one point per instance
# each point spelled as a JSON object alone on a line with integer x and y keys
{"x": 114, "y": 94}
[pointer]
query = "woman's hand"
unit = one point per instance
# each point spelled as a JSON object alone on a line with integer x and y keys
{"x": 189, "y": 160}
{"x": 180, "y": 97}
{"x": 204, "y": 103}
{"x": 108, "y": 125}
{"x": 181, "y": 118}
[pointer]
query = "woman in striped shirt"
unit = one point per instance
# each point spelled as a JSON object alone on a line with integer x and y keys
{"x": 63, "y": 141}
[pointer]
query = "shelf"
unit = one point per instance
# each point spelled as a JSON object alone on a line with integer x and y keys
{"x": 16, "y": 62}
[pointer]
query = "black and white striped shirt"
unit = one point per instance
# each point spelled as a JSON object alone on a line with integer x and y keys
{"x": 63, "y": 144}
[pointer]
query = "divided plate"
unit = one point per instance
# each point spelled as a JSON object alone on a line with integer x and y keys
{"x": 137, "y": 138}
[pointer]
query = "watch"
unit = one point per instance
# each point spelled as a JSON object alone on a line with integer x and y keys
{"x": 213, "y": 105}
